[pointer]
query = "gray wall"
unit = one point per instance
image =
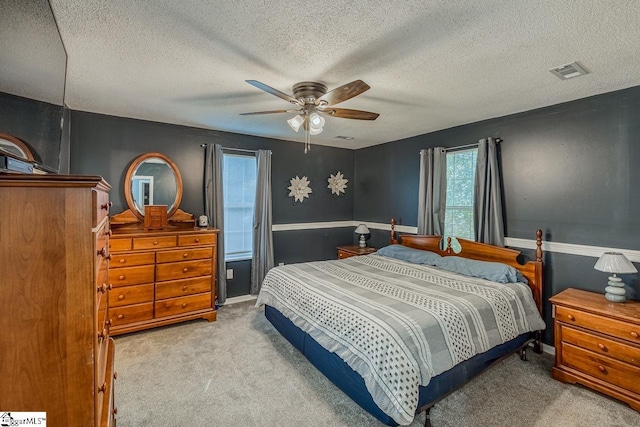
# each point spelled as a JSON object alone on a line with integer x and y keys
{"x": 106, "y": 145}
{"x": 36, "y": 123}
{"x": 569, "y": 169}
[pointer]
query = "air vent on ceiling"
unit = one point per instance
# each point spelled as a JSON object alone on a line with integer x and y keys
{"x": 348, "y": 138}
{"x": 568, "y": 71}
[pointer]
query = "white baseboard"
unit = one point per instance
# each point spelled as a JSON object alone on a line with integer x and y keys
{"x": 241, "y": 298}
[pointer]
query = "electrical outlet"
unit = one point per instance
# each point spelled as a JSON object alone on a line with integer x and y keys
{"x": 280, "y": 263}
{"x": 230, "y": 274}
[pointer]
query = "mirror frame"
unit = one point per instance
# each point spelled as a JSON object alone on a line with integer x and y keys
{"x": 127, "y": 183}
{"x": 21, "y": 145}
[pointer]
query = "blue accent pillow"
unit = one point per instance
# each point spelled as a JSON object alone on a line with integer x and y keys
{"x": 494, "y": 271}
{"x": 405, "y": 253}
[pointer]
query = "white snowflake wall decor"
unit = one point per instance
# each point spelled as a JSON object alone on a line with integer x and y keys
{"x": 299, "y": 188}
{"x": 337, "y": 183}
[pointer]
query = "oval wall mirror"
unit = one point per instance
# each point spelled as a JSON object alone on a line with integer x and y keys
{"x": 153, "y": 179}
{"x": 15, "y": 146}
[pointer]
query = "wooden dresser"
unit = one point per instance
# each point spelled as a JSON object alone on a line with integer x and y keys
{"x": 161, "y": 277}
{"x": 598, "y": 344}
{"x": 56, "y": 353}
{"x": 353, "y": 250}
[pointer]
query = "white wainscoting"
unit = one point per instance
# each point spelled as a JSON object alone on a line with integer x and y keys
{"x": 558, "y": 247}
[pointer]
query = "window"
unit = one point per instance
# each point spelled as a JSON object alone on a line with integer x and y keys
{"x": 239, "y": 189}
{"x": 461, "y": 174}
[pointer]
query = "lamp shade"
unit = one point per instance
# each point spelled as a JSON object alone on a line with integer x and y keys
{"x": 361, "y": 229}
{"x": 614, "y": 262}
{"x": 296, "y": 122}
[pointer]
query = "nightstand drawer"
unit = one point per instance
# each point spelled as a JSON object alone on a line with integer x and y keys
{"x": 600, "y": 324}
{"x": 602, "y": 367}
{"x": 600, "y": 345}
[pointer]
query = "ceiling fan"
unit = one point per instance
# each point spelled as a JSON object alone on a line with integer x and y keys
{"x": 315, "y": 101}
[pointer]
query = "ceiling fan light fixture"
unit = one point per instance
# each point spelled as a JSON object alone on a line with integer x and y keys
{"x": 315, "y": 131}
{"x": 316, "y": 120}
{"x": 296, "y": 122}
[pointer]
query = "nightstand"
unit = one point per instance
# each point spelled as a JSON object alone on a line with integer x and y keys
{"x": 598, "y": 344}
{"x": 353, "y": 250}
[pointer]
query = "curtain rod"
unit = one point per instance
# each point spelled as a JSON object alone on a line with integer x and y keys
{"x": 233, "y": 149}
{"x": 462, "y": 147}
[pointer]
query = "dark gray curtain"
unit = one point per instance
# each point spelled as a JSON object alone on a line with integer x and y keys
{"x": 432, "y": 191}
{"x": 214, "y": 209}
{"x": 487, "y": 205}
{"x": 262, "y": 260}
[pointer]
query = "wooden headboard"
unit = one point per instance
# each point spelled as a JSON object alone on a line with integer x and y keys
{"x": 532, "y": 270}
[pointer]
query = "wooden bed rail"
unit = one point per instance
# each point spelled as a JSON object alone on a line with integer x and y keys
{"x": 532, "y": 270}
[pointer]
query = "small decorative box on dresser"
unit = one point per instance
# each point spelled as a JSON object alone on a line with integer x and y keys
{"x": 598, "y": 344}
{"x": 56, "y": 355}
{"x": 162, "y": 277}
{"x": 353, "y": 250}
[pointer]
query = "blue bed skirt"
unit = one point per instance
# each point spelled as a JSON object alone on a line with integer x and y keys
{"x": 350, "y": 382}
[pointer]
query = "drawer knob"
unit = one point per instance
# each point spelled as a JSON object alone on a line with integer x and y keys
{"x": 102, "y": 388}
{"x": 197, "y": 240}
{"x": 120, "y": 316}
{"x": 184, "y": 287}
{"x": 120, "y": 297}
{"x": 102, "y": 334}
{"x": 103, "y": 251}
{"x": 602, "y": 369}
{"x": 121, "y": 277}
{"x": 110, "y": 286}
{"x": 115, "y": 411}
{"x": 634, "y": 334}
{"x": 115, "y": 375}
{"x": 570, "y": 316}
{"x": 122, "y": 261}
{"x": 602, "y": 347}
{"x": 184, "y": 255}
{"x": 109, "y": 322}
{"x": 184, "y": 270}
{"x": 108, "y": 257}
{"x": 102, "y": 288}
{"x": 155, "y": 242}
{"x": 184, "y": 304}
{"x": 106, "y": 206}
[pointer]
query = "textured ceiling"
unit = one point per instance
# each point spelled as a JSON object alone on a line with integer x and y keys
{"x": 430, "y": 64}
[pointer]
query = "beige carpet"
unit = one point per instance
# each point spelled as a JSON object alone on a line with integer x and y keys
{"x": 239, "y": 371}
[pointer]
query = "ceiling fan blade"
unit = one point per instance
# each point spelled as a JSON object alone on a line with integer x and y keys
{"x": 343, "y": 93}
{"x": 269, "y": 112}
{"x": 273, "y": 91}
{"x": 346, "y": 113}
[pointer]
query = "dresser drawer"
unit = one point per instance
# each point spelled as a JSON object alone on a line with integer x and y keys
{"x": 119, "y": 244}
{"x": 182, "y": 270}
{"x": 154, "y": 242}
{"x": 616, "y": 328}
{"x": 131, "y": 275}
{"x": 127, "y": 295}
{"x": 130, "y": 260}
{"x": 175, "y": 306}
{"x": 602, "y": 367}
{"x": 184, "y": 255}
{"x": 131, "y": 313}
{"x": 179, "y": 288}
{"x": 101, "y": 205}
{"x": 196, "y": 239}
{"x": 600, "y": 345}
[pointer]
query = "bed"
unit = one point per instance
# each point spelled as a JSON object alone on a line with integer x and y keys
{"x": 397, "y": 336}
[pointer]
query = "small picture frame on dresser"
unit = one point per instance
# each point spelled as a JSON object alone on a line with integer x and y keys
{"x": 155, "y": 217}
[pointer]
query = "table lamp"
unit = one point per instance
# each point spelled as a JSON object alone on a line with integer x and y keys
{"x": 615, "y": 262}
{"x": 362, "y": 230}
